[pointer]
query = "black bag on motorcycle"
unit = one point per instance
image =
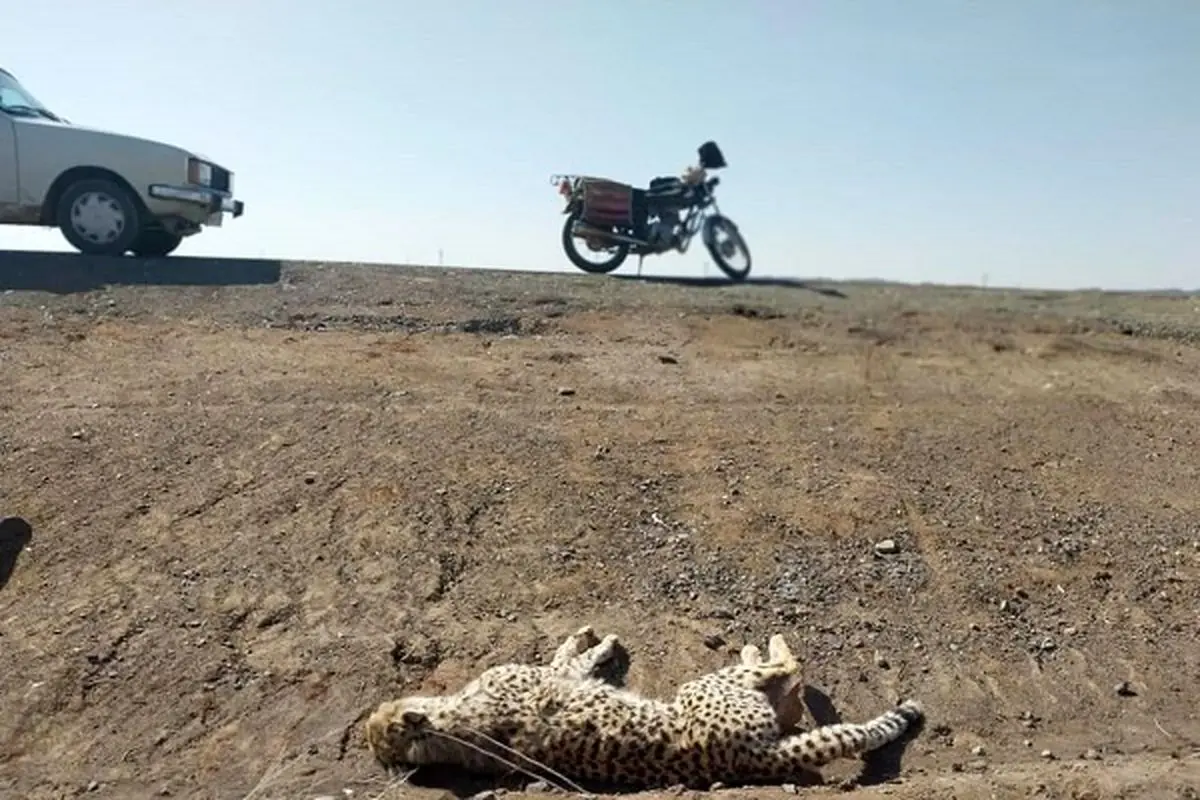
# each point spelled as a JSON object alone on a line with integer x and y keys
{"x": 607, "y": 204}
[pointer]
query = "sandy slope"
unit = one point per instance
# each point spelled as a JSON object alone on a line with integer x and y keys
{"x": 259, "y": 511}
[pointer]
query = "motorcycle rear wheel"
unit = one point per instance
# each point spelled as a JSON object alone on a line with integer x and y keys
{"x": 570, "y": 244}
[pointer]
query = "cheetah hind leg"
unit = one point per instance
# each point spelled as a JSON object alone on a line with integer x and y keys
{"x": 778, "y": 652}
{"x": 751, "y": 656}
{"x": 756, "y": 673}
{"x": 784, "y": 690}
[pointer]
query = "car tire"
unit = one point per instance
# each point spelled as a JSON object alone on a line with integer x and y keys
{"x": 99, "y": 217}
{"x": 155, "y": 243}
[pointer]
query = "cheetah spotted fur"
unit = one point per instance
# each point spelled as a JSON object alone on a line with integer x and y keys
{"x": 725, "y": 726}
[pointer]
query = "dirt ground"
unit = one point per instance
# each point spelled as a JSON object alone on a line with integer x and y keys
{"x": 256, "y": 512}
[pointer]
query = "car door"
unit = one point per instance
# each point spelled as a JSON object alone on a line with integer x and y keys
{"x": 9, "y": 187}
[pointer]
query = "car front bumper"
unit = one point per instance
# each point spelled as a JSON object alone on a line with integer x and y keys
{"x": 210, "y": 199}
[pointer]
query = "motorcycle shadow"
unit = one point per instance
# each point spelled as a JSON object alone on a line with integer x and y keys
{"x": 716, "y": 282}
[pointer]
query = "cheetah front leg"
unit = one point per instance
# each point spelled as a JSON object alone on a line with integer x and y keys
{"x": 584, "y": 656}
{"x": 575, "y": 645}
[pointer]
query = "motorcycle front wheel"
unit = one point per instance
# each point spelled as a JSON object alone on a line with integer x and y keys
{"x": 724, "y": 242}
{"x": 619, "y": 250}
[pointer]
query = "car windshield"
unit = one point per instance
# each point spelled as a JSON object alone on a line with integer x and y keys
{"x": 17, "y": 101}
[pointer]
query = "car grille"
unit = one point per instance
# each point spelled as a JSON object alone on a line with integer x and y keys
{"x": 221, "y": 179}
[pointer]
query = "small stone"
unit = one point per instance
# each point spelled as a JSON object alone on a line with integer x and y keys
{"x": 1048, "y": 755}
{"x": 1091, "y": 754}
{"x": 714, "y": 642}
{"x": 716, "y": 787}
{"x": 887, "y": 547}
{"x": 538, "y": 786}
{"x": 668, "y": 359}
{"x": 977, "y": 765}
{"x": 881, "y": 661}
{"x": 310, "y": 478}
{"x": 978, "y": 750}
{"x": 1124, "y": 689}
{"x": 790, "y": 788}
{"x": 93, "y": 786}
{"x": 566, "y": 391}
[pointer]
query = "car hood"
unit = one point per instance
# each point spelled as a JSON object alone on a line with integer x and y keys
{"x": 71, "y": 130}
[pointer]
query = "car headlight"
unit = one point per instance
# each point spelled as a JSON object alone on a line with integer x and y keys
{"x": 199, "y": 172}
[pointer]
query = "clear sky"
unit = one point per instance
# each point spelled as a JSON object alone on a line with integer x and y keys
{"x": 1051, "y": 143}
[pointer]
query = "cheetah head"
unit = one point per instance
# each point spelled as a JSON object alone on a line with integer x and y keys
{"x": 399, "y": 733}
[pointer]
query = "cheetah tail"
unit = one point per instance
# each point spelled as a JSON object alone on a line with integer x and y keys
{"x": 822, "y": 745}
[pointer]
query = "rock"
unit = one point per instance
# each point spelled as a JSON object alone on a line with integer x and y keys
{"x": 668, "y": 359}
{"x": 1124, "y": 689}
{"x": 1048, "y": 755}
{"x": 1091, "y": 754}
{"x": 714, "y": 642}
{"x": 566, "y": 391}
{"x": 978, "y": 750}
{"x": 887, "y": 547}
{"x": 880, "y": 661}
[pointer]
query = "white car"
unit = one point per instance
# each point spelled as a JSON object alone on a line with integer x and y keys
{"x": 107, "y": 192}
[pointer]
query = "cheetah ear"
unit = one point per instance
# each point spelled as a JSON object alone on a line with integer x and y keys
{"x": 414, "y": 719}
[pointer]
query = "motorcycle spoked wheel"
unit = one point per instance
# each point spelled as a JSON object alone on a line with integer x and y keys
{"x": 722, "y": 251}
{"x": 570, "y": 244}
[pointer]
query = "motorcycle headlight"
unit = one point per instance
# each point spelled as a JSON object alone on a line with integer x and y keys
{"x": 199, "y": 172}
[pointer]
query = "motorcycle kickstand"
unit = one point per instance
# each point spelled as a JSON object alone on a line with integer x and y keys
{"x": 639, "y": 272}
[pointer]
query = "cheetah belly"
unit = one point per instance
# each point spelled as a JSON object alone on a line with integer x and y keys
{"x": 595, "y": 732}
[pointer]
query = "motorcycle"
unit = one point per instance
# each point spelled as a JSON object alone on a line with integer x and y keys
{"x": 616, "y": 220}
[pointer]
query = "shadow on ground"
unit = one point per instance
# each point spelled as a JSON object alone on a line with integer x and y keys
{"x": 716, "y": 282}
{"x": 15, "y": 535}
{"x": 64, "y": 273}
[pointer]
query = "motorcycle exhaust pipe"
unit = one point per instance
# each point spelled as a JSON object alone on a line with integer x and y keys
{"x": 584, "y": 229}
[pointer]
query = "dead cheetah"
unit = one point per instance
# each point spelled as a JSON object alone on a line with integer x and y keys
{"x": 718, "y": 727}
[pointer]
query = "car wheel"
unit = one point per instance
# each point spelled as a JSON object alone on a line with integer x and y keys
{"x": 98, "y": 216}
